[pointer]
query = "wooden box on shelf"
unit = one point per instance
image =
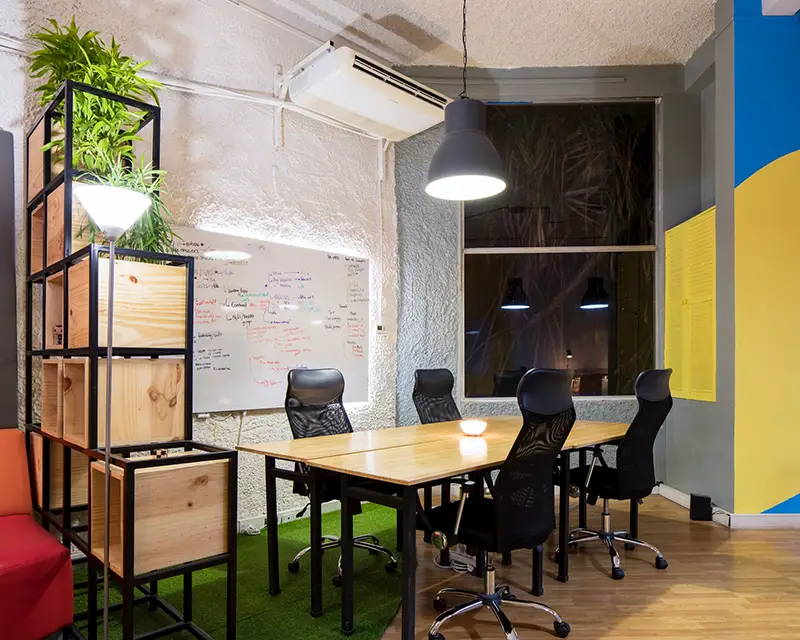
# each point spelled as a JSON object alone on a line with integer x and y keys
{"x": 36, "y": 161}
{"x": 52, "y": 396}
{"x": 147, "y": 401}
{"x": 149, "y": 304}
{"x": 54, "y": 311}
{"x": 56, "y": 207}
{"x": 80, "y": 473}
{"x": 180, "y": 514}
{"x": 37, "y": 239}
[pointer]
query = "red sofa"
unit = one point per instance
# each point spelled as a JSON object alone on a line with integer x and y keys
{"x": 35, "y": 568}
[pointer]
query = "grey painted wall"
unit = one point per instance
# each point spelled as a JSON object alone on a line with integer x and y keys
{"x": 700, "y": 444}
{"x": 429, "y": 299}
{"x": 8, "y": 297}
{"x": 708, "y": 107}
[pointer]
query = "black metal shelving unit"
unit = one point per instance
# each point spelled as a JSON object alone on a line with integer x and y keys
{"x": 130, "y": 458}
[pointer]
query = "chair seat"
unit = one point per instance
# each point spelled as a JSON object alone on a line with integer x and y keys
{"x": 35, "y": 580}
{"x": 477, "y": 523}
{"x": 604, "y": 483}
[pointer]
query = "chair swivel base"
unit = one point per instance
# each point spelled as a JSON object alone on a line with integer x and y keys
{"x": 368, "y": 542}
{"x": 493, "y": 598}
{"x": 608, "y": 536}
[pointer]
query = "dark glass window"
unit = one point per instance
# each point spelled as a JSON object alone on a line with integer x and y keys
{"x": 581, "y": 178}
{"x": 578, "y": 175}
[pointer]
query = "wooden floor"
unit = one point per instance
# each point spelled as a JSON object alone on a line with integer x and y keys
{"x": 720, "y": 584}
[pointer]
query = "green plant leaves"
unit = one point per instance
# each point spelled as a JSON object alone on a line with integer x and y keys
{"x": 104, "y": 131}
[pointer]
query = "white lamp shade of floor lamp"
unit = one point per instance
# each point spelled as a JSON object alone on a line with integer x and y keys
{"x": 113, "y": 209}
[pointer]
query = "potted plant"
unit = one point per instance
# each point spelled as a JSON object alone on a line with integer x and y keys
{"x": 104, "y": 131}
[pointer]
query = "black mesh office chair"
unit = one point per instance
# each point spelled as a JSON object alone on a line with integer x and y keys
{"x": 433, "y": 396}
{"x": 634, "y": 476}
{"x": 522, "y": 513}
{"x": 314, "y": 408}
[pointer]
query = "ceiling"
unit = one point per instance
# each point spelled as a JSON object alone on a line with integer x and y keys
{"x": 511, "y": 33}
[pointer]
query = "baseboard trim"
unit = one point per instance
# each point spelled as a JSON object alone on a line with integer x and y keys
{"x": 257, "y": 523}
{"x": 683, "y": 499}
{"x": 765, "y": 521}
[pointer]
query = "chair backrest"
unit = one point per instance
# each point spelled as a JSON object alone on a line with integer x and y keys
{"x": 635, "y": 466}
{"x": 433, "y": 396}
{"x": 506, "y": 383}
{"x": 524, "y": 487}
{"x": 15, "y": 494}
{"x": 314, "y": 403}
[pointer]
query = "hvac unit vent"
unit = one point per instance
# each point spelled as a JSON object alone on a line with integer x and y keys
{"x": 350, "y": 88}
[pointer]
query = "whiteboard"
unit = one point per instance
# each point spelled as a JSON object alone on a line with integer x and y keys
{"x": 263, "y": 308}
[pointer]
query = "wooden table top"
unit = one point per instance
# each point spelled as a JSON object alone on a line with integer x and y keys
{"x": 455, "y": 454}
{"x": 308, "y": 449}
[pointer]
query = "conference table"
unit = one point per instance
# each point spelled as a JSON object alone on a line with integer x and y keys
{"x": 409, "y": 458}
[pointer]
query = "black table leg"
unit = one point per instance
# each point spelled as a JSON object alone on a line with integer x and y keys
{"x": 445, "y": 493}
{"x": 634, "y": 530}
{"x": 409, "y": 562}
{"x": 427, "y": 505}
{"x": 347, "y": 560}
{"x": 563, "y": 519}
{"x": 316, "y": 542}
{"x": 506, "y": 559}
{"x": 399, "y": 530}
{"x": 582, "y": 490}
{"x": 272, "y": 528}
{"x": 477, "y": 494}
{"x": 537, "y": 566}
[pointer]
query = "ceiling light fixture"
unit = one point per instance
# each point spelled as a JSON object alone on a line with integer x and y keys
{"x": 466, "y": 166}
{"x": 595, "y": 296}
{"x": 515, "y": 298}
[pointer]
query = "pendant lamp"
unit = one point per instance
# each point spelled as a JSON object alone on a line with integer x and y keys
{"x": 515, "y": 298}
{"x": 466, "y": 166}
{"x": 595, "y": 296}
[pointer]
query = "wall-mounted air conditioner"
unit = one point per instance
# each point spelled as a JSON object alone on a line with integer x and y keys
{"x": 350, "y": 88}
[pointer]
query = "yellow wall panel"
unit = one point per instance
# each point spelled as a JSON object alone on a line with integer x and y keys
{"x": 690, "y": 308}
{"x": 767, "y": 245}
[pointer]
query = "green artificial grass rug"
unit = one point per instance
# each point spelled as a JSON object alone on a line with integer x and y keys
{"x": 286, "y": 616}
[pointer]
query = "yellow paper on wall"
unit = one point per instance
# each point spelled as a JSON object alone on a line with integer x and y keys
{"x": 690, "y": 345}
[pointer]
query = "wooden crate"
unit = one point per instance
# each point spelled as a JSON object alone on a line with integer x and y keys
{"x": 80, "y": 474}
{"x": 147, "y": 402}
{"x": 55, "y": 225}
{"x": 37, "y": 239}
{"x": 35, "y": 161}
{"x": 180, "y": 514}
{"x": 52, "y": 396}
{"x": 149, "y": 304}
{"x": 54, "y": 312}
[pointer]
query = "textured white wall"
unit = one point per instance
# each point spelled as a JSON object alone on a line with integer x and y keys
{"x": 319, "y": 190}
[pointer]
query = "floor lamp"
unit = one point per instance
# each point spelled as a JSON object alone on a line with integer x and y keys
{"x": 113, "y": 210}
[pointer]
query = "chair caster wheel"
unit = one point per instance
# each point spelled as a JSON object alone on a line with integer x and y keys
{"x": 440, "y": 605}
{"x": 435, "y": 636}
{"x": 391, "y": 567}
{"x": 557, "y": 556}
{"x": 294, "y": 567}
{"x": 661, "y": 563}
{"x": 617, "y": 573}
{"x": 562, "y": 629}
{"x": 337, "y": 581}
{"x": 629, "y": 546}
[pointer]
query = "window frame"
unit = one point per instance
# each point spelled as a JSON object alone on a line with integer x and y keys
{"x": 656, "y": 249}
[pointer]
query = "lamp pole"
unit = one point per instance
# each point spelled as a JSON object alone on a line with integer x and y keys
{"x": 107, "y": 442}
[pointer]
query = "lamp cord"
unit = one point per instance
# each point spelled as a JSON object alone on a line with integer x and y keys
{"x": 463, "y": 93}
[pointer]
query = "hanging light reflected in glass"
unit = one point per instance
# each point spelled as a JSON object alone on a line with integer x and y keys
{"x": 515, "y": 298}
{"x": 569, "y": 354}
{"x": 596, "y": 296}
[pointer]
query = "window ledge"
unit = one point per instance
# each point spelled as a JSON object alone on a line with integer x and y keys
{"x": 513, "y": 399}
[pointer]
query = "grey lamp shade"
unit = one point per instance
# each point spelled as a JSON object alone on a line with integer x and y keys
{"x": 466, "y": 166}
{"x": 515, "y": 298}
{"x": 596, "y": 296}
